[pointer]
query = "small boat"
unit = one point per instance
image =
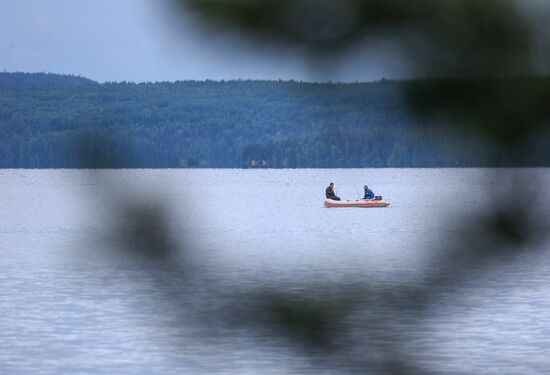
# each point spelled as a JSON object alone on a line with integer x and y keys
{"x": 359, "y": 203}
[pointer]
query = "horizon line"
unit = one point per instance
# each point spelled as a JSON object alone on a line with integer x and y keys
{"x": 230, "y": 80}
{"x": 383, "y": 79}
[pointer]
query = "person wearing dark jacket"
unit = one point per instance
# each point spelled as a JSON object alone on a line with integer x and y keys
{"x": 369, "y": 194}
{"x": 329, "y": 192}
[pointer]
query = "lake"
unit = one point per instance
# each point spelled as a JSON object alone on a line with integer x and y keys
{"x": 392, "y": 289}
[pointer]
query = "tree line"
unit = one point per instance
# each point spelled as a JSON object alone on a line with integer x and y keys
{"x": 62, "y": 121}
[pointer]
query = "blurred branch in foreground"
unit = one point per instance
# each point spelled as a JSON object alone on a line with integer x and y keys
{"x": 484, "y": 40}
{"x": 487, "y": 44}
{"x": 468, "y": 38}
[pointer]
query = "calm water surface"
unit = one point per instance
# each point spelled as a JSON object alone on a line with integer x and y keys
{"x": 74, "y": 300}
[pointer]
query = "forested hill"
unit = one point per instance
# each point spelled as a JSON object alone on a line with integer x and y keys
{"x": 56, "y": 121}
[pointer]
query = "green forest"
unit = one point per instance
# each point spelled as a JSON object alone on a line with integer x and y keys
{"x": 61, "y": 121}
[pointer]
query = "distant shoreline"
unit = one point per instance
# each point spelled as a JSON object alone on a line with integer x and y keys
{"x": 57, "y": 121}
{"x": 206, "y": 80}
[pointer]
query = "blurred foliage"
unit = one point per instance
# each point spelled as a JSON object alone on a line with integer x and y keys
{"x": 467, "y": 39}
{"x": 484, "y": 61}
{"x": 482, "y": 38}
{"x": 482, "y": 55}
{"x": 505, "y": 111}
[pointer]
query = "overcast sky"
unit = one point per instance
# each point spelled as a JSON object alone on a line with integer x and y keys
{"x": 136, "y": 40}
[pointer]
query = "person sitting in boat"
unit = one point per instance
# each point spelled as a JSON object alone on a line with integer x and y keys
{"x": 369, "y": 194}
{"x": 330, "y": 193}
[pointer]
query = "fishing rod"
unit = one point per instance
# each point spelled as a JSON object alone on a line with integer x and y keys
{"x": 357, "y": 191}
{"x": 358, "y": 195}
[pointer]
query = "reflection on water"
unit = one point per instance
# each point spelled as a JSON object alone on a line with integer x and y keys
{"x": 72, "y": 301}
